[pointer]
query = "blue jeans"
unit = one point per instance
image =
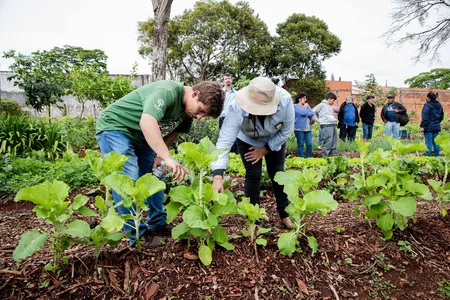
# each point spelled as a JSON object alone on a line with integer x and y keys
{"x": 392, "y": 128}
{"x": 139, "y": 163}
{"x": 429, "y": 141}
{"x": 304, "y": 138}
{"x": 367, "y": 131}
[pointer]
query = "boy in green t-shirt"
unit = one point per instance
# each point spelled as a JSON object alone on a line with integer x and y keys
{"x": 142, "y": 125}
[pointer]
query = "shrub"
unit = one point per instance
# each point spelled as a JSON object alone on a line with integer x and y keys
{"x": 9, "y": 107}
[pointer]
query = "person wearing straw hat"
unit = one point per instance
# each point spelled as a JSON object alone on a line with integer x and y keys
{"x": 260, "y": 120}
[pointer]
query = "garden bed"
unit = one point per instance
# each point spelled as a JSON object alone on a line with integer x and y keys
{"x": 354, "y": 263}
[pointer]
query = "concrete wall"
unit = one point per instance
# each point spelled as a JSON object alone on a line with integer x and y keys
{"x": 73, "y": 108}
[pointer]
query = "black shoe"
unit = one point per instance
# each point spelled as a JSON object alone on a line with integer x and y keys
{"x": 162, "y": 231}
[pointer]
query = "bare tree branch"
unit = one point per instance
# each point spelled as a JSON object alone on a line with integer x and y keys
{"x": 432, "y": 38}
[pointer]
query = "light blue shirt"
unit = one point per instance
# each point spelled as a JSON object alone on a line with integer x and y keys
{"x": 229, "y": 99}
{"x": 277, "y": 128}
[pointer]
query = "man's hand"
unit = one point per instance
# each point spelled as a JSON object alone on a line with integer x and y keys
{"x": 177, "y": 169}
{"x": 218, "y": 183}
{"x": 158, "y": 161}
{"x": 421, "y": 129}
{"x": 255, "y": 154}
{"x": 396, "y": 110}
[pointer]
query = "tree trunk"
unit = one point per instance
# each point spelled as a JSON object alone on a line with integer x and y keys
{"x": 161, "y": 10}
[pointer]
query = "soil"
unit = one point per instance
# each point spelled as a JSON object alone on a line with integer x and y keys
{"x": 353, "y": 264}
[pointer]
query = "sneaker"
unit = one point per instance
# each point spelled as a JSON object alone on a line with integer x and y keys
{"x": 287, "y": 223}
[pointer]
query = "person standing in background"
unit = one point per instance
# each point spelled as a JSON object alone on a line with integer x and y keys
{"x": 389, "y": 115}
{"x": 230, "y": 93}
{"x": 328, "y": 122}
{"x": 432, "y": 116}
{"x": 302, "y": 125}
{"x": 348, "y": 119}
{"x": 367, "y": 115}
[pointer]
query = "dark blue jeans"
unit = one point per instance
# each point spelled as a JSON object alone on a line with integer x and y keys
{"x": 139, "y": 163}
{"x": 429, "y": 141}
{"x": 304, "y": 138}
{"x": 367, "y": 131}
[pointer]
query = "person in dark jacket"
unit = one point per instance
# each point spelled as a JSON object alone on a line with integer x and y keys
{"x": 348, "y": 119}
{"x": 432, "y": 116}
{"x": 389, "y": 115}
{"x": 367, "y": 115}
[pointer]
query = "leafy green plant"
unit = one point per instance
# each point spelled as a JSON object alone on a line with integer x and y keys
{"x": 51, "y": 204}
{"x": 254, "y": 215}
{"x": 444, "y": 287}
{"x": 202, "y": 206}
{"x": 310, "y": 201}
{"x": 389, "y": 197}
{"x": 442, "y": 188}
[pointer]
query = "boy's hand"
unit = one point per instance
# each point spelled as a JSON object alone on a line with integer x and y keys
{"x": 255, "y": 154}
{"x": 177, "y": 169}
{"x": 218, "y": 183}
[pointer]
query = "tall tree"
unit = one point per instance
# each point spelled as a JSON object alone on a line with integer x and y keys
{"x": 301, "y": 46}
{"x": 212, "y": 38}
{"x": 371, "y": 87}
{"x": 435, "y": 30}
{"x": 161, "y": 10}
{"x": 436, "y": 78}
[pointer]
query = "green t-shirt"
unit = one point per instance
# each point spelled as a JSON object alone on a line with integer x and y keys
{"x": 162, "y": 99}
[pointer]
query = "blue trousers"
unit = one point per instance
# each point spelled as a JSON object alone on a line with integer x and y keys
{"x": 429, "y": 141}
{"x": 139, "y": 163}
{"x": 304, "y": 138}
{"x": 367, "y": 131}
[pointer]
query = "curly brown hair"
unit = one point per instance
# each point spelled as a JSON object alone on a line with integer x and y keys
{"x": 212, "y": 95}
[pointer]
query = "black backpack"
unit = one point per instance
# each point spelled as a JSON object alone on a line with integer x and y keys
{"x": 403, "y": 119}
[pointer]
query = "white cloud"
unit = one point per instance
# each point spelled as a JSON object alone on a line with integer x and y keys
{"x": 111, "y": 25}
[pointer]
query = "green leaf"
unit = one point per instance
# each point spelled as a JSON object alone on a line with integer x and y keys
{"x": 79, "y": 201}
{"x": 47, "y": 194}
{"x": 372, "y": 200}
{"x": 385, "y": 222}
{"x": 320, "y": 200}
{"x": 114, "y": 238}
{"x": 262, "y": 230}
{"x": 172, "y": 210}
{"x": 100, "y": 204}
{"x": 87, "y": 212}
{"x": 205, "y": 255}
{"x": 29, "y": 243}
{"x": 228, "y": 246}
{"x": 405, "y": 206}
{"x": 121, "y": 184}
{"x": 287, "y": 243}
{"x": 209, "y": 193}
{"x": 444, "y": 212}
{"x": 219, "y": 234}
{"x": 387, "y": 234}
{"x": 179, "y": 230}
{"x": 193, "y": 216}
{"x": 182, "y": 194}
{"x": 147, "y": 186}
{"x": 376, "y": 210}
{"x": 78, "y": 228}
{"x": 312, "y": 243}
{"x": 112, "y": 222}
{"x": 244, "y": 232}
{"x": 356, "y": 211}
{"x": 375, "y": 181}
{"x": 436, "y": 185}
{"x": 261, "y": 241}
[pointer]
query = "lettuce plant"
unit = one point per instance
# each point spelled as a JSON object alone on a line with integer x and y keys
{"x": 134, "y": 198}
{"x": 442, "y": 188}
{"x": 255, "y": 232}
{"x": 300, "y": 187}
{"x": 51, "y": 204}
{"x": 201, "y": 204}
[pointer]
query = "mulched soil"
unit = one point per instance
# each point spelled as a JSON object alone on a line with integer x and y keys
{"x": 353, "y": 264}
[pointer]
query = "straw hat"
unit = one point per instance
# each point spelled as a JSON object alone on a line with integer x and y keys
{"x": 259, "y": 98}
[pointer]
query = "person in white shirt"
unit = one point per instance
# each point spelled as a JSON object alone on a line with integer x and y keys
{"x": 230, "y": 93}
{"x": 260, "y": 120}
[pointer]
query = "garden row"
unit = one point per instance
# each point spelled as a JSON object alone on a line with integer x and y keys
{"x": 384, "y": 187}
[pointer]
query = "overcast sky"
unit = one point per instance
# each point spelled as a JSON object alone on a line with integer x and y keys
{"x": 111, "y": 25}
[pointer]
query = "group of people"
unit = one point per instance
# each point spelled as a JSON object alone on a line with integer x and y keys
{"x": 346, "y": 118}
{"x": 254, "y": 122}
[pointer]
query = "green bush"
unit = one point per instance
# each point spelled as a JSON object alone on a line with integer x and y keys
{"x": 79, "y": 132}
{"x": 10, "y": 107}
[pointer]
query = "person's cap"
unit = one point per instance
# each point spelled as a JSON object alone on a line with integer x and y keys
{"x": 259, "y": 98}
{"x": 349, "y": 99}
{"x": 390, "y": 96}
